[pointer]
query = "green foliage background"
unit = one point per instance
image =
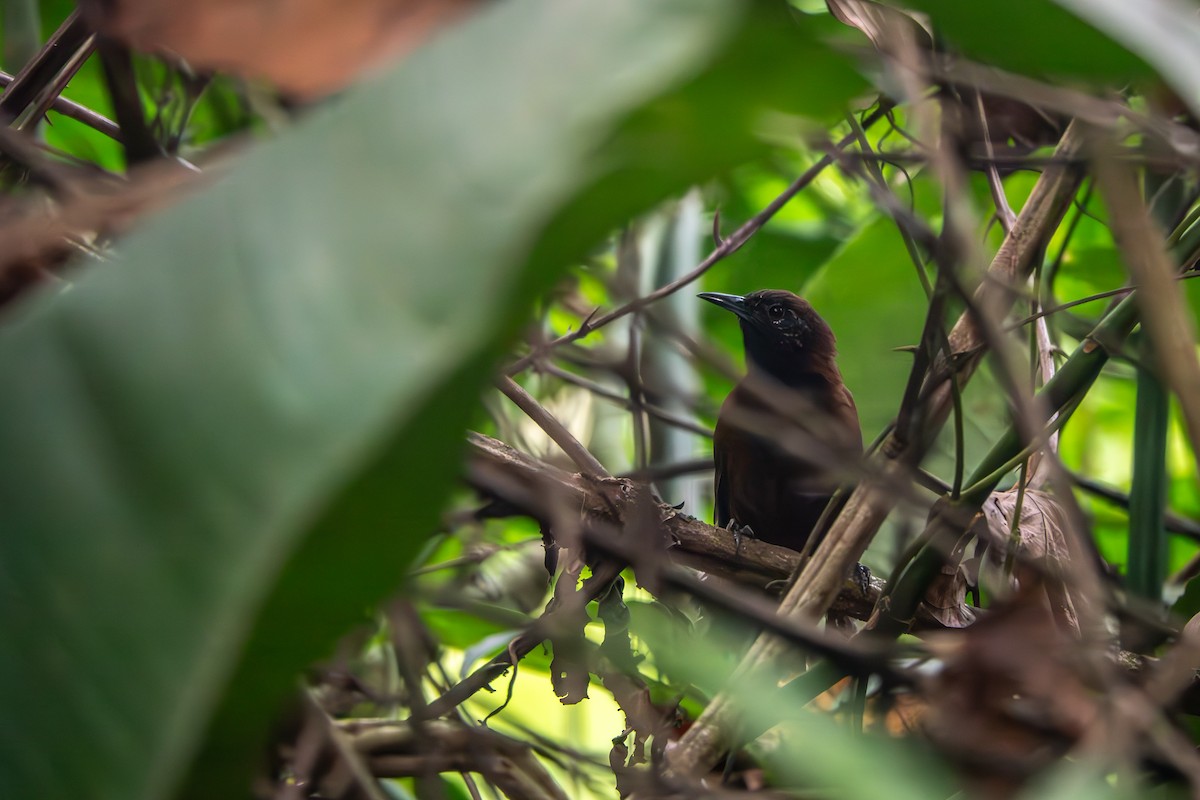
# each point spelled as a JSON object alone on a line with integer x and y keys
{"x": 222, "y": 448}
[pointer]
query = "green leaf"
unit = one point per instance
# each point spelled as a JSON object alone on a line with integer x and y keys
{"x": 219, "y": 449}
{"x": 1053, "y": 41}
{"x": 870, "y": 295}
{"x": 460, "y": 629}
{"x": 1089, "y": 271}
{"x": 1148, "y": 545}
{"x": 1162, "y": 32}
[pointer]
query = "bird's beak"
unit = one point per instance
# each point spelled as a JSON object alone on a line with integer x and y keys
{"x": 730, "y": 302}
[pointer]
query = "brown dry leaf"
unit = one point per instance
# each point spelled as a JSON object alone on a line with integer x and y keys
{"x": 1042, "y": 524}
{"x": 568, "y": 669}
{"x": 306, "y": 47}
{"x": 906, "y": 714}
{"x": 946, "y": 598}
{"x": 1011, "y": 697}
{"x": 831, "y": 698}
{"x": 895, "y": 713}
{"x": 879, "y": 23}
{"x": 1041, "y": 550}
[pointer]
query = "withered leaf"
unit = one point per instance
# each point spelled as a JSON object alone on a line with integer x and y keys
{"x": 306, "y": 47}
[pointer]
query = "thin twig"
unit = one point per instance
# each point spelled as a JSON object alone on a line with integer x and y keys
{"x": 583, "y": 458}
{"x": 77, "y": 112}
{"x": 600, "y": 390}
{"x": 1171, "y": 521}
{"x": 1003, "y": 210}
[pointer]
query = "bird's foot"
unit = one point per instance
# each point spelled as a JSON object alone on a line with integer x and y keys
{"x": 778, "y": 587}
{"x": 861, "y": 576}
{"x": 739, "y": 531}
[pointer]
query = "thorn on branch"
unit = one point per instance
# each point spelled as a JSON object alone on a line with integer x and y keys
{"x": 585, "y": 327}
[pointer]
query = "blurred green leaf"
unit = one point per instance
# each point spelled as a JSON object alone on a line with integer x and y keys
{"x": 1053, "y": 41}
{"x": 812, "y": 750}
{"x": 675, "y": 644}
{"x": 460, "y": 629}
{"x": 1163, "y": 32}
{"x": 1093, "y": 780}
{"x": 220, "y": 448}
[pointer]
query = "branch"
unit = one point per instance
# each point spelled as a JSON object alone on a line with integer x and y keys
{"x": 583, "y": 458}
{"x": 34, "y": 88}
{"x": 401, "y": 750}
{"x": 77, "y": 112}
{"x": 694, "y": 543}
{"x": 1165, "y": 315}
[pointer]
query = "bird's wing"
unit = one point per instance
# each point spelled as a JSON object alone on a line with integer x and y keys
{"x": 721, "y": 513}
{"x": 848, "y": 411}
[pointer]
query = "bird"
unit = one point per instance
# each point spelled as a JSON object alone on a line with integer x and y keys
{"x": 785, "y": 421}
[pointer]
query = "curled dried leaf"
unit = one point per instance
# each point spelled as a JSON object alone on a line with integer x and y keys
{"x": 1033, "y": 550}
{"x": 946, "y": 598}
{"x": 879, "y": 23}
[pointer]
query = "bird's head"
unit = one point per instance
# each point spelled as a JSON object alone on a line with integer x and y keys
{"x": 783, "y": 334}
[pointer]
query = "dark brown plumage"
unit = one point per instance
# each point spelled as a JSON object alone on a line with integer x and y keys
{"x": 788, "y": 418}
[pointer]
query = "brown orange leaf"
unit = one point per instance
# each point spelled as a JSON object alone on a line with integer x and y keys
{"x": 306, "y": 47}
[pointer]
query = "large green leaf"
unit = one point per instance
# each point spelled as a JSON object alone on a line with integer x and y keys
{"x": 1034, "y": 36}
{"x": 871, "y": 296}
{"x": 1163, "y": 32}
{"x": 219, "y": 449}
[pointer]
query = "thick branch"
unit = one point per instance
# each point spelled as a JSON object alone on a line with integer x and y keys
{"x": 400, "y": 749}
{"x": 693, "y": 543}
{"x": 696, "y": 543}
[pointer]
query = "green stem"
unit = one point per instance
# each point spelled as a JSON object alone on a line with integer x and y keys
{"x": 1147, "y": 498}
{"x": 1061, "y": 394}
{"x": 1147, "y": 544}
{"x": 949, "y": 519}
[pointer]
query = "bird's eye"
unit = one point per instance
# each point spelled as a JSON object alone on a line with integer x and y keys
{"x": 776, "y": 312}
